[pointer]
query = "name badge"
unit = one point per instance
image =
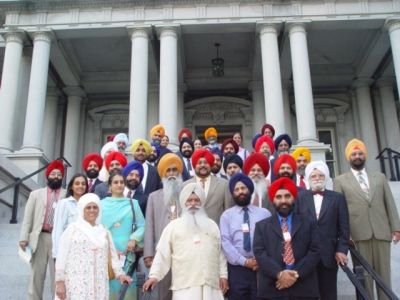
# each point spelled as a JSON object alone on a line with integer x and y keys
{"x": 286, "y": 236}
{"x": 54, "y": 205}
{"x": 245, "y": 227}
{"x": 196, "y": 239}
{"x": 173, "y": 207}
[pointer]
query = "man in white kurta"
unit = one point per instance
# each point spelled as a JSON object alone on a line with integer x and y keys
{"x": 191, "y": 247}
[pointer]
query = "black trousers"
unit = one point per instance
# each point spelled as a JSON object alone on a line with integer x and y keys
{"x": 242, "y": 283}
{"x": 327, "y": 282}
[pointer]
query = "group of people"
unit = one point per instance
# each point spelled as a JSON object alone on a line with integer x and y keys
{"x": 210, "y": 221}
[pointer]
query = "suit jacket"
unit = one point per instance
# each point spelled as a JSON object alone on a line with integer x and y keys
{"x": 35, "y": 211}
{"x": 157, "y": 218}
{"x": 185, "y": 172}
{"x": 153, "y": 181}
{"x": 268, "y": 247}
{"x": 373, "y": 216}
{"x": 96, "y": 183}
{"x": 218, "y": 199}
{"x": 102, "y": 190}
{"x": 141, "y": 198}
{"x": 333, "y": 223}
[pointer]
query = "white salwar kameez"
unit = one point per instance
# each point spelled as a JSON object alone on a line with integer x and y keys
{"x": 204, "y": 292}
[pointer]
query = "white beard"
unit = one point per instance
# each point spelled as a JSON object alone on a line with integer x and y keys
{"x": 317, "y": 185}
{"x": 195, "y": 221}
{"x": 171, "y": 188}
{"x": 260, "y": 188}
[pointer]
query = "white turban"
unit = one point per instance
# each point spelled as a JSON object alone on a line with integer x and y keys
{"x": 110, "y": 146}
{"x": 320, "y": 166}
{"x": 121, "y": 137}
{"x": 192, "y": 188}
{"x": 84, "y": 201}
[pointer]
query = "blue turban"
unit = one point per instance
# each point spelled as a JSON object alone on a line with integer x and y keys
{"x": 133, "y": 165}
{"x": 254, "y": 140}
{"x": 281, "y": 137}
{"x": 233, "y": 158}
{"x": 218, "y": 152}
{"x": 242, "y": 178}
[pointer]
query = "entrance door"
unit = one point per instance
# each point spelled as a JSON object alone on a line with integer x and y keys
{"x": 224, "y": 132}
{"x": 327, "y": 135}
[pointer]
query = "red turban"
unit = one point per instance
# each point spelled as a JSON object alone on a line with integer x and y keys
{"x": 92, "y": 157}
{"x": 199, "y": 153}
{"x": 230, "y": 141}
{"x": 265, "y": 139}
{"x": 270, "y": 127}
{"x": 285, "y": 159}
{"x": 55, "y": 164}
{"x": 283, "y": 183}
{"x": 188, "y": 133}
{"x": 115, "y": 155}
{"x": 256, "y": 158}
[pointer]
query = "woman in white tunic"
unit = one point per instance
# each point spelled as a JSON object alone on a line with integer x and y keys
{"x": 82, "y": 259}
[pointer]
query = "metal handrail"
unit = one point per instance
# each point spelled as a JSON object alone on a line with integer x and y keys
{"x": 393, "y": 156}
{"x": 16, "y": 184}
{"x": 360, "y": 289}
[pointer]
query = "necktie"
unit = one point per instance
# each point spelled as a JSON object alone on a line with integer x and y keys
{"x": 203, "y": 183}
{"x": 50, "y": 216}
{"x": 246, "y": 233}
{"x": 288, "y": 257}
{"x": 130, "y": 195}
{"x": 256, "y": 201}
{"x": 90, "y": 185}
{"x": 302, "y": 183}
{"x": 189, "y": 165}
{"x": 363, "y": 184}
{"x": 318, "y": 193}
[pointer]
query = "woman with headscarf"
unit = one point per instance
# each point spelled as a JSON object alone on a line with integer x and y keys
{"x": 83, "y": 256}
{"x": 124, "y": 219}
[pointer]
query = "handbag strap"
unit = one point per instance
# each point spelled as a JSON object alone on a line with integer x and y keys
{"x": 133, "y": 215}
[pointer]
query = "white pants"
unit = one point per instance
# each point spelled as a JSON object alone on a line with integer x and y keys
{"x": 198, "y": 293}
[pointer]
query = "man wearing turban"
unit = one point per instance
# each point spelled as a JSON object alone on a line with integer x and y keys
{"x": 287, "y": 248}
{"x": 237, "y": 230}
{"x": 211, "y": 136}
{"x": 329, "y": 210}
{"x": 283, "y": 143}
{"x": 229, "y": 147}
{"x": 115, "y": 161}
{"x": 186, "y": 148}
{"x": 37, "y": 226}
{"x": 268, "y": 130}
{"x": 185, "y": 133}
{"x": 133, "y": 174}
{"x": 92, "y": 164}
{"x": 141, "y": 150}
{"x": 216, "y": 189}
{"x": 191, "y": 248}
{"x": 163, "y": 207}
{"x": 374, "y": 221}
{"x": 216, "y": 168}
{"x": 232, "y": 164}
{"x": 302, "y": 155}
{"x": 121, "y": 139}
{"x": 285, "y": 166}
{"x": 157, "y": 133}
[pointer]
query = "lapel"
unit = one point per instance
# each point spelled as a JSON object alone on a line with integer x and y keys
{"x": 352, "y": 180}
{"x": 372, "y": 185}
{"x": 213, "y": 186}
{"x": 43, "y": 196}
{"x": 327, "y": 202}
{"x": 310, "y": 205}
{"x": 296, "y": 223}
{"x": 276, "y": 226}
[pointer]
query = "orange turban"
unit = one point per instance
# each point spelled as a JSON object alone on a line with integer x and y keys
{"x": 158, "y": 128}
{"x": 168, "y": 160}
{"x": 355, "y": 144}
{"x": 210, "y": 132}
{"x": 302, "y": 151}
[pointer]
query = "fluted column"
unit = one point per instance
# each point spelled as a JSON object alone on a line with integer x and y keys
{"x": 272, "y": 77}
{"x": 367, "y": 123}
{"x": 389, "y": 111}
{"x": 75, "y": 95}
{"x": 394, "y": 34}
{"x": 139, "y": 81}
{"x": 37, "y": 92}
{"x": 256, "y": 88}
{"x": 9, "y": 88}
{"x": 356, "y": 118}
{"x": 306, "y": 128}
{"x": 168, "y": 81}
{"x": 50, "y": 123}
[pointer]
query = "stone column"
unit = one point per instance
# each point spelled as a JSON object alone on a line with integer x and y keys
{"x": 75, "y": 95}
{"x": 50, "y": 123}
{"x": 367, "y": 123}
{"x": 9, "y": 88}
{"x": 272, "y": 77}
{"x": 37, "y": 92}
{"x": 139, "y": 79}
{"x": 286, "y": 107}
{"x": 257, "y": 91}
{"x": 168, "y": 81}
{"x": 181, "y": 106}
{"x": 307, "y": 132}
{"x": 356, "y": 118}
{"x": 394, "y": 34}
{"x": 153, "y": 113}
{"x": 389, "y": 111}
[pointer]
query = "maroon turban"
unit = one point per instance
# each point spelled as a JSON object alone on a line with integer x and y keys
{"x": 230, "y": 141}
{"x": 188, "y": 133}
{"x": 270, "y": 128}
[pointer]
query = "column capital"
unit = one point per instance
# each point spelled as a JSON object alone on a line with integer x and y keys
{"x": 256, "y": 85}
{"x": 385, "y": 82}
{"x": 392, "y": 24}
{"x": 74, "y": 91}
{"x": 16, "y": 36}
{"x": 44, "y": 35}
{"x": 268, "y": 27}
{"x": 362, "y": 82}
{"x": 142, "y": 31}
{"x": 173, "y": 30}
{"x": 297, "y": 26}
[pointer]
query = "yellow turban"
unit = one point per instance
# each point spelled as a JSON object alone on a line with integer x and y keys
{"x": 158, "y": 128}
{"x": 141, "y": 142}
{"x": 355, "y": 144}
{"x": 302, "y": 151}
{"x": 210, "y": 131}
{"x": 168, "y": 160}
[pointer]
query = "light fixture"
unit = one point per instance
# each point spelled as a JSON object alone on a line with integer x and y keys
{"x": 217, "y": 64}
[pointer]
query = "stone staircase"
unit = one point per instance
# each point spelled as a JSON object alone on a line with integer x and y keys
{"x": 14, "y": 274}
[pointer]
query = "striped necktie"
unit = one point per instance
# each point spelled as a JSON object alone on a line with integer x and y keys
{"x": 246, "y": 233}
{"x": 288, "y": 257}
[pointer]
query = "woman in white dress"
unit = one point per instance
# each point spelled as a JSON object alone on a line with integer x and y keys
{"x": 66, "y": 210}
{"x": 82, "y": 259}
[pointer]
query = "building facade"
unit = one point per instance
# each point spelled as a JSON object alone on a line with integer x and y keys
{"x": 75, "y": 72}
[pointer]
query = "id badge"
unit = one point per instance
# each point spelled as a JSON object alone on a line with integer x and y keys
{"x": 196, "y": 239}
{"x": 245, "y": 227}
{"x": 287, "y": 237}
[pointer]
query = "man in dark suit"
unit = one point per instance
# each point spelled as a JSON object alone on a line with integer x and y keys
{"x": 151, "y": 182}
{"x": 133, "y": 174}
{"x": 329, "y": 209}
{"x": 287, "y": 248}
{"x": 92, "y": 164}
{"x": 186, "y": 148}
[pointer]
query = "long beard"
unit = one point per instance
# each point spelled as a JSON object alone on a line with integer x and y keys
{"x": 195, "y": 220}
{"x": 317, "y": 185}
{"x": 260, "y": 187}
{"x": 171, "y": 188}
